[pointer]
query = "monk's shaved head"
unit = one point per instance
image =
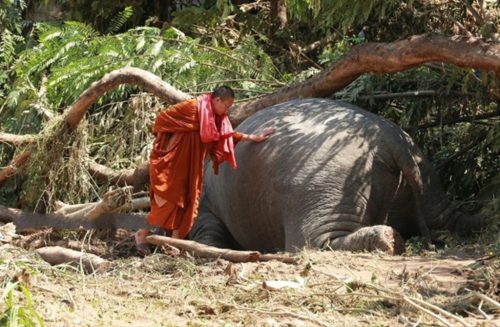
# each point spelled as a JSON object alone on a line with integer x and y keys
{"x": 223, "y": 92}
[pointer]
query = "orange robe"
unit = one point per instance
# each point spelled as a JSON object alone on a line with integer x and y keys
{"x": 176, "y": 167}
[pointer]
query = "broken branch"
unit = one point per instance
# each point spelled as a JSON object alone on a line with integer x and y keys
{"x": 205, "y": 251}
{"x": 56, "y": 255}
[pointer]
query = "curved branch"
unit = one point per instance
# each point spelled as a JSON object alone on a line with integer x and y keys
{"x": 383, "y": 58}
{"x": 11, "y": 168}
{"x": 129, "y": 75}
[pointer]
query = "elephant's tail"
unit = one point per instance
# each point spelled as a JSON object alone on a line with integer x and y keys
{"x": 407, "y": 162}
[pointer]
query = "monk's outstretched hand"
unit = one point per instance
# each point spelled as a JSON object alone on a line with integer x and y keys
{"x": 262, "y": 136}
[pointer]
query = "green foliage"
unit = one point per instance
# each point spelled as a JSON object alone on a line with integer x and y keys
{"x": 120, "y": 19}
{"x": 75, "y": 56}
{"x": 11, "y": 27}
{"x": 11, "y": 15}
{"x": 339, "y": 13}
{"x": 16, "y": 314}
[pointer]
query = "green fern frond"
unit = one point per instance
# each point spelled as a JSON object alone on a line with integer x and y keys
{"x": 120, "y": 19}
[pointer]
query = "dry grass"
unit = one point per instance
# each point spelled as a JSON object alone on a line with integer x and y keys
{"x": 333, "y": 289}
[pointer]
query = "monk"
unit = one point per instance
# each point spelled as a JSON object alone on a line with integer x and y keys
{"x": 186, "y": 134}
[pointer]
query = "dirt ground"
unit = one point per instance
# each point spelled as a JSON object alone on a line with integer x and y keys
{"x": 327, "y": 288}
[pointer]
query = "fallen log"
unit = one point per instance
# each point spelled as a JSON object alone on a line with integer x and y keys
{"x": 118, "y": 200}
{"x": 28, "y": 221}
{"x": 56, "y": 255}
{"x": 205, "y": 251}
{"x": 136, "y": 177}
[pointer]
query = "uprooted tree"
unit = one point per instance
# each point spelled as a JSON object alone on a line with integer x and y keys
{"x": 62, "y": 133}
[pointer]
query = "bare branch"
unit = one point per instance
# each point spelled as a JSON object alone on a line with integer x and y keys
{"x": 418, "y": 93}
{"x": 136, "y": 177}
{"x": 56, "y": 255}
{"x": 461, "y": 120}
{"x": 205, "y": 251}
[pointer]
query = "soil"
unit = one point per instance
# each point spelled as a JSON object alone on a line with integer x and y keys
{"x": 325, "y": 288}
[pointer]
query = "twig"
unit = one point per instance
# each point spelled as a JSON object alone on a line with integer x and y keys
{"x": 482, "y": 312}
{"x": 487, "y": 299}
{"x": 441, "y": 311}
{"x": 441, "y": 319}
{"x": 468, "y": 119}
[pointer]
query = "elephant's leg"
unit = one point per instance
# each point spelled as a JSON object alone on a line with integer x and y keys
{"x": 210, "y": 230}
{"x": 379, "y": 237}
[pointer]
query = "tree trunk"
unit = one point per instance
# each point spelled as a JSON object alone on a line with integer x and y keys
{"x": 278, "y": 15}
{"x": 26, "y": 221}
{"x": 129, "y": 75}
{"x": 376, "y": 57}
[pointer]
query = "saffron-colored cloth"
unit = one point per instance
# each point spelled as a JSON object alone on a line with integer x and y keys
{"x": 176, "y": 165}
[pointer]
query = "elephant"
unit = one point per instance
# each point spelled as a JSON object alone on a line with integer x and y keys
{"x": 331, "y": 176}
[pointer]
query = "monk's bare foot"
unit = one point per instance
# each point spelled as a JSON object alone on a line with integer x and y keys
{"x": 141, "y": 245}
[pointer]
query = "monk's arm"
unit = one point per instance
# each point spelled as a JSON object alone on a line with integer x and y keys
{"x": 237, "y": 136}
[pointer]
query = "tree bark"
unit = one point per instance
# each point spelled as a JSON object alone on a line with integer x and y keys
{"x": 130, "y": 75}
{"x": 376, "y": 57}
{"x": 278, "y": 15}
{"x": 205, "y": 251}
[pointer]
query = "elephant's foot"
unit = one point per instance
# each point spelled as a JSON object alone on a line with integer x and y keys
{"x": 380, "y": 237}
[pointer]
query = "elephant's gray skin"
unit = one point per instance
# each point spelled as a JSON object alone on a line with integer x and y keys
{"x": 332, "y": 175}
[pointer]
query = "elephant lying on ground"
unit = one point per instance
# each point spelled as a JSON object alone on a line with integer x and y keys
{"x": 333, "y": 175}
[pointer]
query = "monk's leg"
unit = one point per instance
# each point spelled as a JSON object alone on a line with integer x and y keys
{"x": 175, "y": 233}
{"x": 141, "y": 245}
{"x": 140, "y": 236}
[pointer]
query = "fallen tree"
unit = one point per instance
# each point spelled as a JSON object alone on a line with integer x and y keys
{"x": 364, "y": 58}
